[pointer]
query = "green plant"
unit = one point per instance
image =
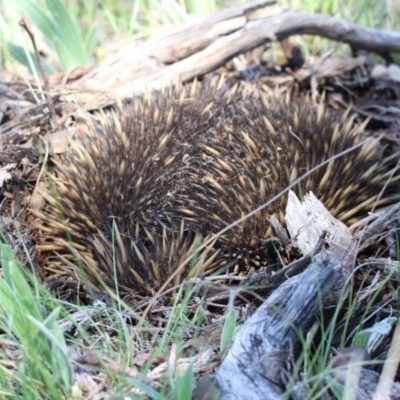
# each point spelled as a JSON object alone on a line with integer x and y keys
{"x": 44, "y": 369}
{"x": 62, "y": 31}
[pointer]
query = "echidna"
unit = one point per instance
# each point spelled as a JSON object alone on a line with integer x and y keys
{"x": 132, "y": 195}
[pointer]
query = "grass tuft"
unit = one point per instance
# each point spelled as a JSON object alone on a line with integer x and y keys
{"x": 44, "y": 369}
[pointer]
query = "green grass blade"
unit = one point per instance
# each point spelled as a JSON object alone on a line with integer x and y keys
{"x": 184, "y": 385}
{"x": 228, "y": 330}
{"x": 68, "y": 31}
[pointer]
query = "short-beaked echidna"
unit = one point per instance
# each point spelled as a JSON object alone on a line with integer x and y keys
{"x": 131, "y": 195}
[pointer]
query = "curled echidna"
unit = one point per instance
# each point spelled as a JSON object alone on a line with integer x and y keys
{"x": 131, "y": 196}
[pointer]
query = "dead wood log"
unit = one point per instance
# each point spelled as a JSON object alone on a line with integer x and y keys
{"x": 262, "y": 348}
{"x": 194, "y": 51}
{"x": 253, "y": 366}
{"x": 191, "y": 52}
{"x": 306, "y": 221}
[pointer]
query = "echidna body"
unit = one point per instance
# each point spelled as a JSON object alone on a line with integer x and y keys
{"x": 131, "y": 196}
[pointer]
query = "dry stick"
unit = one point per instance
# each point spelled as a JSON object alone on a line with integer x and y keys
{"x": 52, "y": 113}
{"x": 170, "y": 48}
{"x": 204, "y": 51}
{"x": 237, "y": 222}
{"x": 278, "y": 27}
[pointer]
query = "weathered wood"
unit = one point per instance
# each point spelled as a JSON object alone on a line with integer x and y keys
{"x": 307, "y": 220}
{"x": 379, "y": 228}
{"x": 186, "y": 54}
{"x": 138, "y": 60}
{"x": 194, "y": 51}
{"x": 262, "y": 283}
{"x": 252, "y": 367}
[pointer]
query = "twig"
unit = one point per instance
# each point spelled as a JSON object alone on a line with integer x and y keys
{"x": 49, "y": 99}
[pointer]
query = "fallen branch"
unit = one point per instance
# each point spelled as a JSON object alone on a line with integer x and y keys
{"x": 267, "y": 340}
{"x": 188, "y": 53}
{"x": 270, "y": 338}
